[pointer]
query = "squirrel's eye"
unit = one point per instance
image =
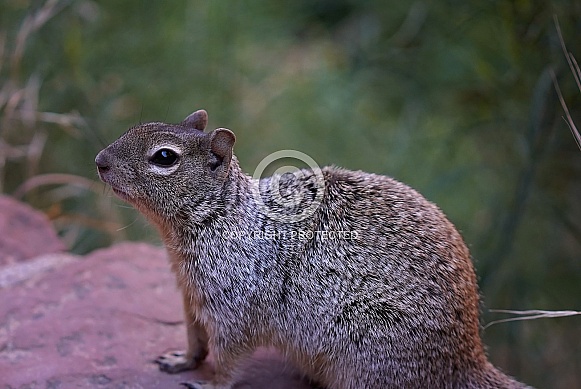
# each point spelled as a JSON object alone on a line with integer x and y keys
{"x": 164, "y": 157}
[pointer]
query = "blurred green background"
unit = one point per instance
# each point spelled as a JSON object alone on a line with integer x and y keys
{"x": 455, "y": 98}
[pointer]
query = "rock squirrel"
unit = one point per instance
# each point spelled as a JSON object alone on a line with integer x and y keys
{"x": 373, "y": 287}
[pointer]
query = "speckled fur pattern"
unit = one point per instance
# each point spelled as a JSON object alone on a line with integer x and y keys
{"x": 393, "y": 306}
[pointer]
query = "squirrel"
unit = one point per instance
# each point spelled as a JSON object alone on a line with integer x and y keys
{"x": 373, "y": 287}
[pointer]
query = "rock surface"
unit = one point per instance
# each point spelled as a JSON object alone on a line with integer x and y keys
{"x": 97, "y": 321}
{"x": 24, "y": 232}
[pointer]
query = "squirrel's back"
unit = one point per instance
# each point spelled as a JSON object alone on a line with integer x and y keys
{"x": 387, "y": 285}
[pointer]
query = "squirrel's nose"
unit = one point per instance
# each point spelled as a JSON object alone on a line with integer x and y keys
{"x": 102, "y": 163}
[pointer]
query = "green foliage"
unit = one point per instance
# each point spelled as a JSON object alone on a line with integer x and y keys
{"x": 454, "y": 98}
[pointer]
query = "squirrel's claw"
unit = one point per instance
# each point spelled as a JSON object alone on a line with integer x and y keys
{"x": 174, "y": 362}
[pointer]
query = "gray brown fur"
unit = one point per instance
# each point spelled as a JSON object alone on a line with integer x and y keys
{"x": 394, "y": 306}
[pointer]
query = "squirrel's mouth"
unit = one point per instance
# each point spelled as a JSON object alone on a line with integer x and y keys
{"x": 122, "y": 195}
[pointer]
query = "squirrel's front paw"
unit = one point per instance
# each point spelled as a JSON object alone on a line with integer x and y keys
{"x": 175, "y": 362}
{"x": 202, "y": 385}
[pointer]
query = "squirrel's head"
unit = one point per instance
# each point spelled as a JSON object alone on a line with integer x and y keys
{"x": 169, "y": 171}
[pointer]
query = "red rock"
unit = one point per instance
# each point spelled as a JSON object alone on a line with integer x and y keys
{"x": 98, "y": 322}
{"x": 24, "y": 232}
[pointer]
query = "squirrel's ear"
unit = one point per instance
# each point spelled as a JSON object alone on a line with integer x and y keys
{"x": 197, "y": 120}
{"x": 221, "y": 144}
